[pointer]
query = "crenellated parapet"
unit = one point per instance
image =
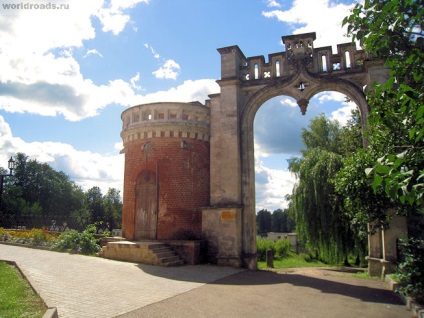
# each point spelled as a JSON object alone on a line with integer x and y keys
{"x": 300, "y": 52}
{"x": 166, "y": 120}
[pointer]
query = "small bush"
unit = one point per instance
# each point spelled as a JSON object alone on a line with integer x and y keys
{"x": 306, "y": 257}
{"x": 282, "y": 248}
{"x": 263, "y": 245}
{"x": 75, "y": 241}
{"x": 410, "y": 272}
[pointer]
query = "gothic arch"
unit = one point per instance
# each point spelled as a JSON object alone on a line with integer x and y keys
{"x": 315, "y": 85}
{"x": 246, "y": 83}
{"x": 250, "y": 108}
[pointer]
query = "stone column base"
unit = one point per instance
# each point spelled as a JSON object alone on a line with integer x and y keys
{"x": 380, "y": 267}
{"x": 221, "y": 229}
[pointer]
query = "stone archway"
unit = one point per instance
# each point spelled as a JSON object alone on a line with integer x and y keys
{"x": 301, "y": 72}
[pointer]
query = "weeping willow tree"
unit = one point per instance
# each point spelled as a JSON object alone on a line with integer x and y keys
{"x": 315, "y": 207}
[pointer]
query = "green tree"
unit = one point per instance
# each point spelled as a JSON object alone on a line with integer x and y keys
{"x": 281, "y": 221}
{"x": 315, "y": 207}
{"x": 95, "y": 204}
{"x": 36, "y": 188}
{"x": 263, "y": 221}
{"x": 394, "y": 159}
{"x": 393, "y": 30}
{"x": 113, "y": 208}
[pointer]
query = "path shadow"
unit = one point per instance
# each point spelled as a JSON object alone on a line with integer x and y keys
{"x": 190, "y": 273}
{"x": 362, "y": 289}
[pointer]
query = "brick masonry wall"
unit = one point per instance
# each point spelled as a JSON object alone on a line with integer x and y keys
{"x": 184, "y": 182}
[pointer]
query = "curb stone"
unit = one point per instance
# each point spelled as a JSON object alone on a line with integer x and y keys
{"x": 416, "y": 309}
{"x": 51, "y": 312}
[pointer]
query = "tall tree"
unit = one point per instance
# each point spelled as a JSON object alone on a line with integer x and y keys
{"x": 36, "y": 188}
{"x": 95, "y": 204}
{"x": 113, "y": 208}
{"x": 263, "y": 221}
{"x": 394, "y": 160}
{"x": 281, "y": 221}
{"x": 315, "y": 207}
{"x": 393, "y": 30}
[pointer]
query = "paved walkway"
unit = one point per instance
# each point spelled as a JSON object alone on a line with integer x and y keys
{"x": 81, "y": 286}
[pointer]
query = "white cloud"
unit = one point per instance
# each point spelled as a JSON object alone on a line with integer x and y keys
{"x": 114, "y": 22}
{"x": 321, "y": 16}
{"x": 272, "y": 185}
{"x": 86, "y": 168}
{"x": 169, "y": 70}
{"x": 39, "y": 74}
{"x": 134, "y": 81}
{"x": 278, "y": 126}
{"x": 38, "y": 31}
{"x": 342, "y": 114}
{"x": 149, "y": 47}
{"x": 273, "y": 3}
{"x": 114, "y": 18}
{"x": 286, "y": 101}
{"x": 92, "y": 52}
{"x": 189, "y": 91}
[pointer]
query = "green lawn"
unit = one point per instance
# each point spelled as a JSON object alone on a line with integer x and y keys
{"x": 294, "y": 260}
{"x": 17, "y": 298}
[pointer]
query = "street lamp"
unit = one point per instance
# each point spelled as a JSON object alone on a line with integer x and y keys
{"x": 11, "y": 166}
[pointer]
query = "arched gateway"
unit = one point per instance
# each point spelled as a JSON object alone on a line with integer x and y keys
{"x": 228, "y": 224}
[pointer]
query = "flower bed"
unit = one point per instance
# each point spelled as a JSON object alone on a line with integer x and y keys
{"x": 40, "y": 237}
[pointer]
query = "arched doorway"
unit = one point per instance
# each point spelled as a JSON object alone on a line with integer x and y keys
{"x": 300, "y": 72}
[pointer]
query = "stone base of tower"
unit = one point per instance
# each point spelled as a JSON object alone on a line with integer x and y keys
{"x": 222, "y": 231}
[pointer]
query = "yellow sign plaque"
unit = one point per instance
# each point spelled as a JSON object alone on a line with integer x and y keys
{"x": 228, "y": 215}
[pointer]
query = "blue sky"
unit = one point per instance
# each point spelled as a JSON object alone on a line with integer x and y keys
{"x": 68, "y": 74}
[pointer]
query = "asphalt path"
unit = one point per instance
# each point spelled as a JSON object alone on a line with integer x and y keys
{"x": 316, "y": 293}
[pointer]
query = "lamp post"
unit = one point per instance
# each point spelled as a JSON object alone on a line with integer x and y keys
{"x": 11, "y": 166}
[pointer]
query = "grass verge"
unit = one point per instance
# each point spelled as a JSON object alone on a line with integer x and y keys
{"x": 18, "y": 299}
{"x": 294, "y": 260}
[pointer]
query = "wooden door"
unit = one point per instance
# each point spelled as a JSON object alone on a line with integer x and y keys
{"x": 146, "y": 206}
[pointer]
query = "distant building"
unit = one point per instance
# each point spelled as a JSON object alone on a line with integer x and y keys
{"x": 291, "y": 237}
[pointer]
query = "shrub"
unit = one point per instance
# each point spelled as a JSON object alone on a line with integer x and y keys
{"x": 263, "y": 245}
{"x": 282, "y": 248}
{"x": 410, "y": 272}
{"x": 306, "y": 257}
{"x": 85, "y": 242}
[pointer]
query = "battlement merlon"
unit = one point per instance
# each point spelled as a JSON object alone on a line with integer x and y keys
{"x": 232, "y": 58}
{"x": 305, "y": 37}
{"x": 299, "y": 52}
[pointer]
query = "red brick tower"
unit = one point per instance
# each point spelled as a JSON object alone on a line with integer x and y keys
{"x": 166, "y": 179}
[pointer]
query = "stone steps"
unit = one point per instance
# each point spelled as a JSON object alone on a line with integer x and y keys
{"x": 145, "y": 252}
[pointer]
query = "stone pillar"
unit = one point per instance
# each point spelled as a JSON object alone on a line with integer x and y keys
{"x": 375, "y": 253}
{"x": 376, "y": 72}
{"x": 225, "y": 132}
{"x": 383, "y": 249}
{"x": 398, "y": 230}
{"x": 221, "y": 228}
